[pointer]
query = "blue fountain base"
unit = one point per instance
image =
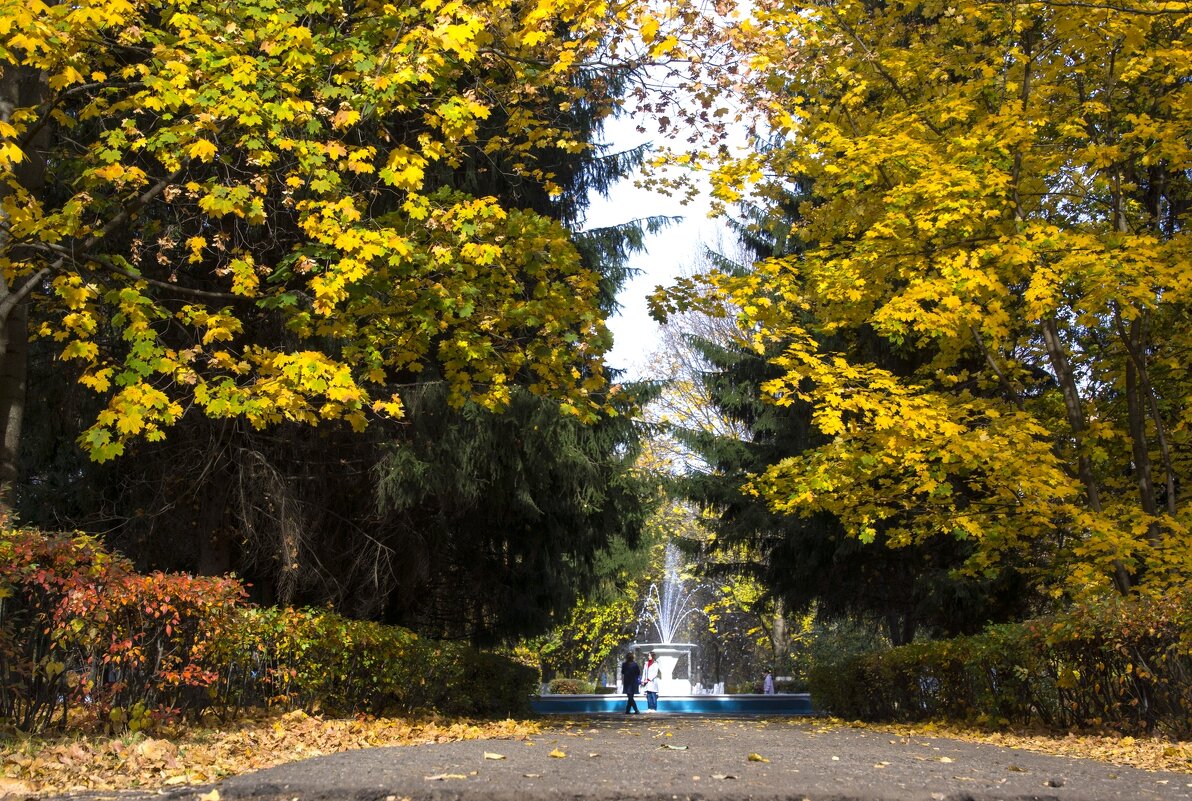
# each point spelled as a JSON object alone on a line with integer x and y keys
{"x": 743, "y": 704}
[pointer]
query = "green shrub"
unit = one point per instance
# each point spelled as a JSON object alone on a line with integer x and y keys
{"x": 569, "y": 687}
{"x": 1125, "y": 664}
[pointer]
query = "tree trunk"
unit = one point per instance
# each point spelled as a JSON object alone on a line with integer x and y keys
{"x": 1084, "y": 466}
{"x": 1136, "y": 352}
{"x": 19, "y": 87}
{"x": 14, "y": 364}
{"x": 1136, "y": 413}
{"x": 779, "y": 636}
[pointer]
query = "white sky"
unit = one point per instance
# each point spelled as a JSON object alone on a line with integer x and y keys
{"x": 668, "y": 254}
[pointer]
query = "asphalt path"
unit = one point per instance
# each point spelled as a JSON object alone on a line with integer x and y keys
{"x": 674, "y": 757}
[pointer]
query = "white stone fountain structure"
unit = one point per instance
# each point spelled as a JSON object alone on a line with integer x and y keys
{"x": 667, "y": 611}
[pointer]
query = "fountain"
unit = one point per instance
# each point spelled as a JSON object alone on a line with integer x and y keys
{"x": 668, "y": 611}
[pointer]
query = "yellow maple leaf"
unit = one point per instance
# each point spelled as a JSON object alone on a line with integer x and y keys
{"x": 202, "y": 150}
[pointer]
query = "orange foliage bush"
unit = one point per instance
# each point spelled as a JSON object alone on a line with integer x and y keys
{"x": 80, "y": 627}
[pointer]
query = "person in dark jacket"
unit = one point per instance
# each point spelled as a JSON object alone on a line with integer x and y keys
{"x": 631, "y": 677}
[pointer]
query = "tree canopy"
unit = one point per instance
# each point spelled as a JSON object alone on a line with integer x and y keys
{"x": 179, "y": 177}
{"x": 1000, "y": 195}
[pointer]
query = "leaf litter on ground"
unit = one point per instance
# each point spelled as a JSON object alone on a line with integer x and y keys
{"x": 1145, "y": 753}
{"x": 198, "y": 754}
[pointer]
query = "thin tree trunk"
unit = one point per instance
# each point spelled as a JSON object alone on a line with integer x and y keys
{"x": 1136, "y": 414}
{"x": 19, "y": 87}
{"x": 1084, "y": 466}
{"x": 779, "y": 636}
{"x": 14, "y": 367}
{"x": 1136, "y": 351}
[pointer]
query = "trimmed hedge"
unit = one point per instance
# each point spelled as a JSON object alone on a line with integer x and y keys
{"x": 1123, "y": 664}
{"x": 570, "y": 687}
{"x": 319, "y": 660}
{"x": 79, "y": 628}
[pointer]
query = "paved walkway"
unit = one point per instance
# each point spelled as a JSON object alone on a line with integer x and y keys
{"x": 684, "y": 757}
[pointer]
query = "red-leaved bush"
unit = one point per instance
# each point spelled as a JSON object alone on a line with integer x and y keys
{"x": 79, "y": 627}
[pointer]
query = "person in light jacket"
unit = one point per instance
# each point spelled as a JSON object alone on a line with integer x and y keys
{"x": 650, "y": 678}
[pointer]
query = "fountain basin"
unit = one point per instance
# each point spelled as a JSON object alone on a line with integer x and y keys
{"x": 668, "y": 654}
{"x": 737, "y": 704}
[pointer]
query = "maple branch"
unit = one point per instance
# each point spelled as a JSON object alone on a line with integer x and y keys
{"x": 1014, "y": 394}
{"x": 877, "y": 64}
{"x": 44, "y": 116}
{"x": 138, "y": 203}
{"x": 106, "y": 261}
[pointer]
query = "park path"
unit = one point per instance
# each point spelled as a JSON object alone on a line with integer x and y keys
{"x": 674, "y": 757}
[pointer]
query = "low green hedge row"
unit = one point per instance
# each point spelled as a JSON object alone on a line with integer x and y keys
{"x": 563, "y": 686}
{"x": 316, "y": 659}
{"x": 83, "y": 634}
{"x": 1124, "y": 664}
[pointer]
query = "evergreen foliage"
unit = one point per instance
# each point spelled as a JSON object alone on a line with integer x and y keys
{"x": 505, "y": 515}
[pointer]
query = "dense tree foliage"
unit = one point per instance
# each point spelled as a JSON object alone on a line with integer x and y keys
{"x": 244, "y": 222}
{"x": 243, "y": 209}
{"x": 808, "y": 563}
{"x": 999, "y": 200}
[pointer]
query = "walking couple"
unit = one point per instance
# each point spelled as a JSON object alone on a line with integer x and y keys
{"x": 633, "y": 676}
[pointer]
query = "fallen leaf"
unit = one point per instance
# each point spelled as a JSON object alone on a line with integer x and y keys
{"x": 757, "y": 758}
{"x": 532, "y": 775}
{"x": 439, "y": 777}
{"x": 13, "y": 787}
{"x": 557, "y": 754}
{"x": 211, "y": 796}
{"x": 945, "y": 759}
{"x": 670, "y": 747}
{"x": 490, "y": 755}
{"x": 593, "y": 755}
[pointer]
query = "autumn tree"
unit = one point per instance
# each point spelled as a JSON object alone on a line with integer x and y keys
{"x": 808, "y": 563}
{"x": 177, "y": 178}
{"x": 1001, "y": 189}
{"x": 300, "y": 512}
